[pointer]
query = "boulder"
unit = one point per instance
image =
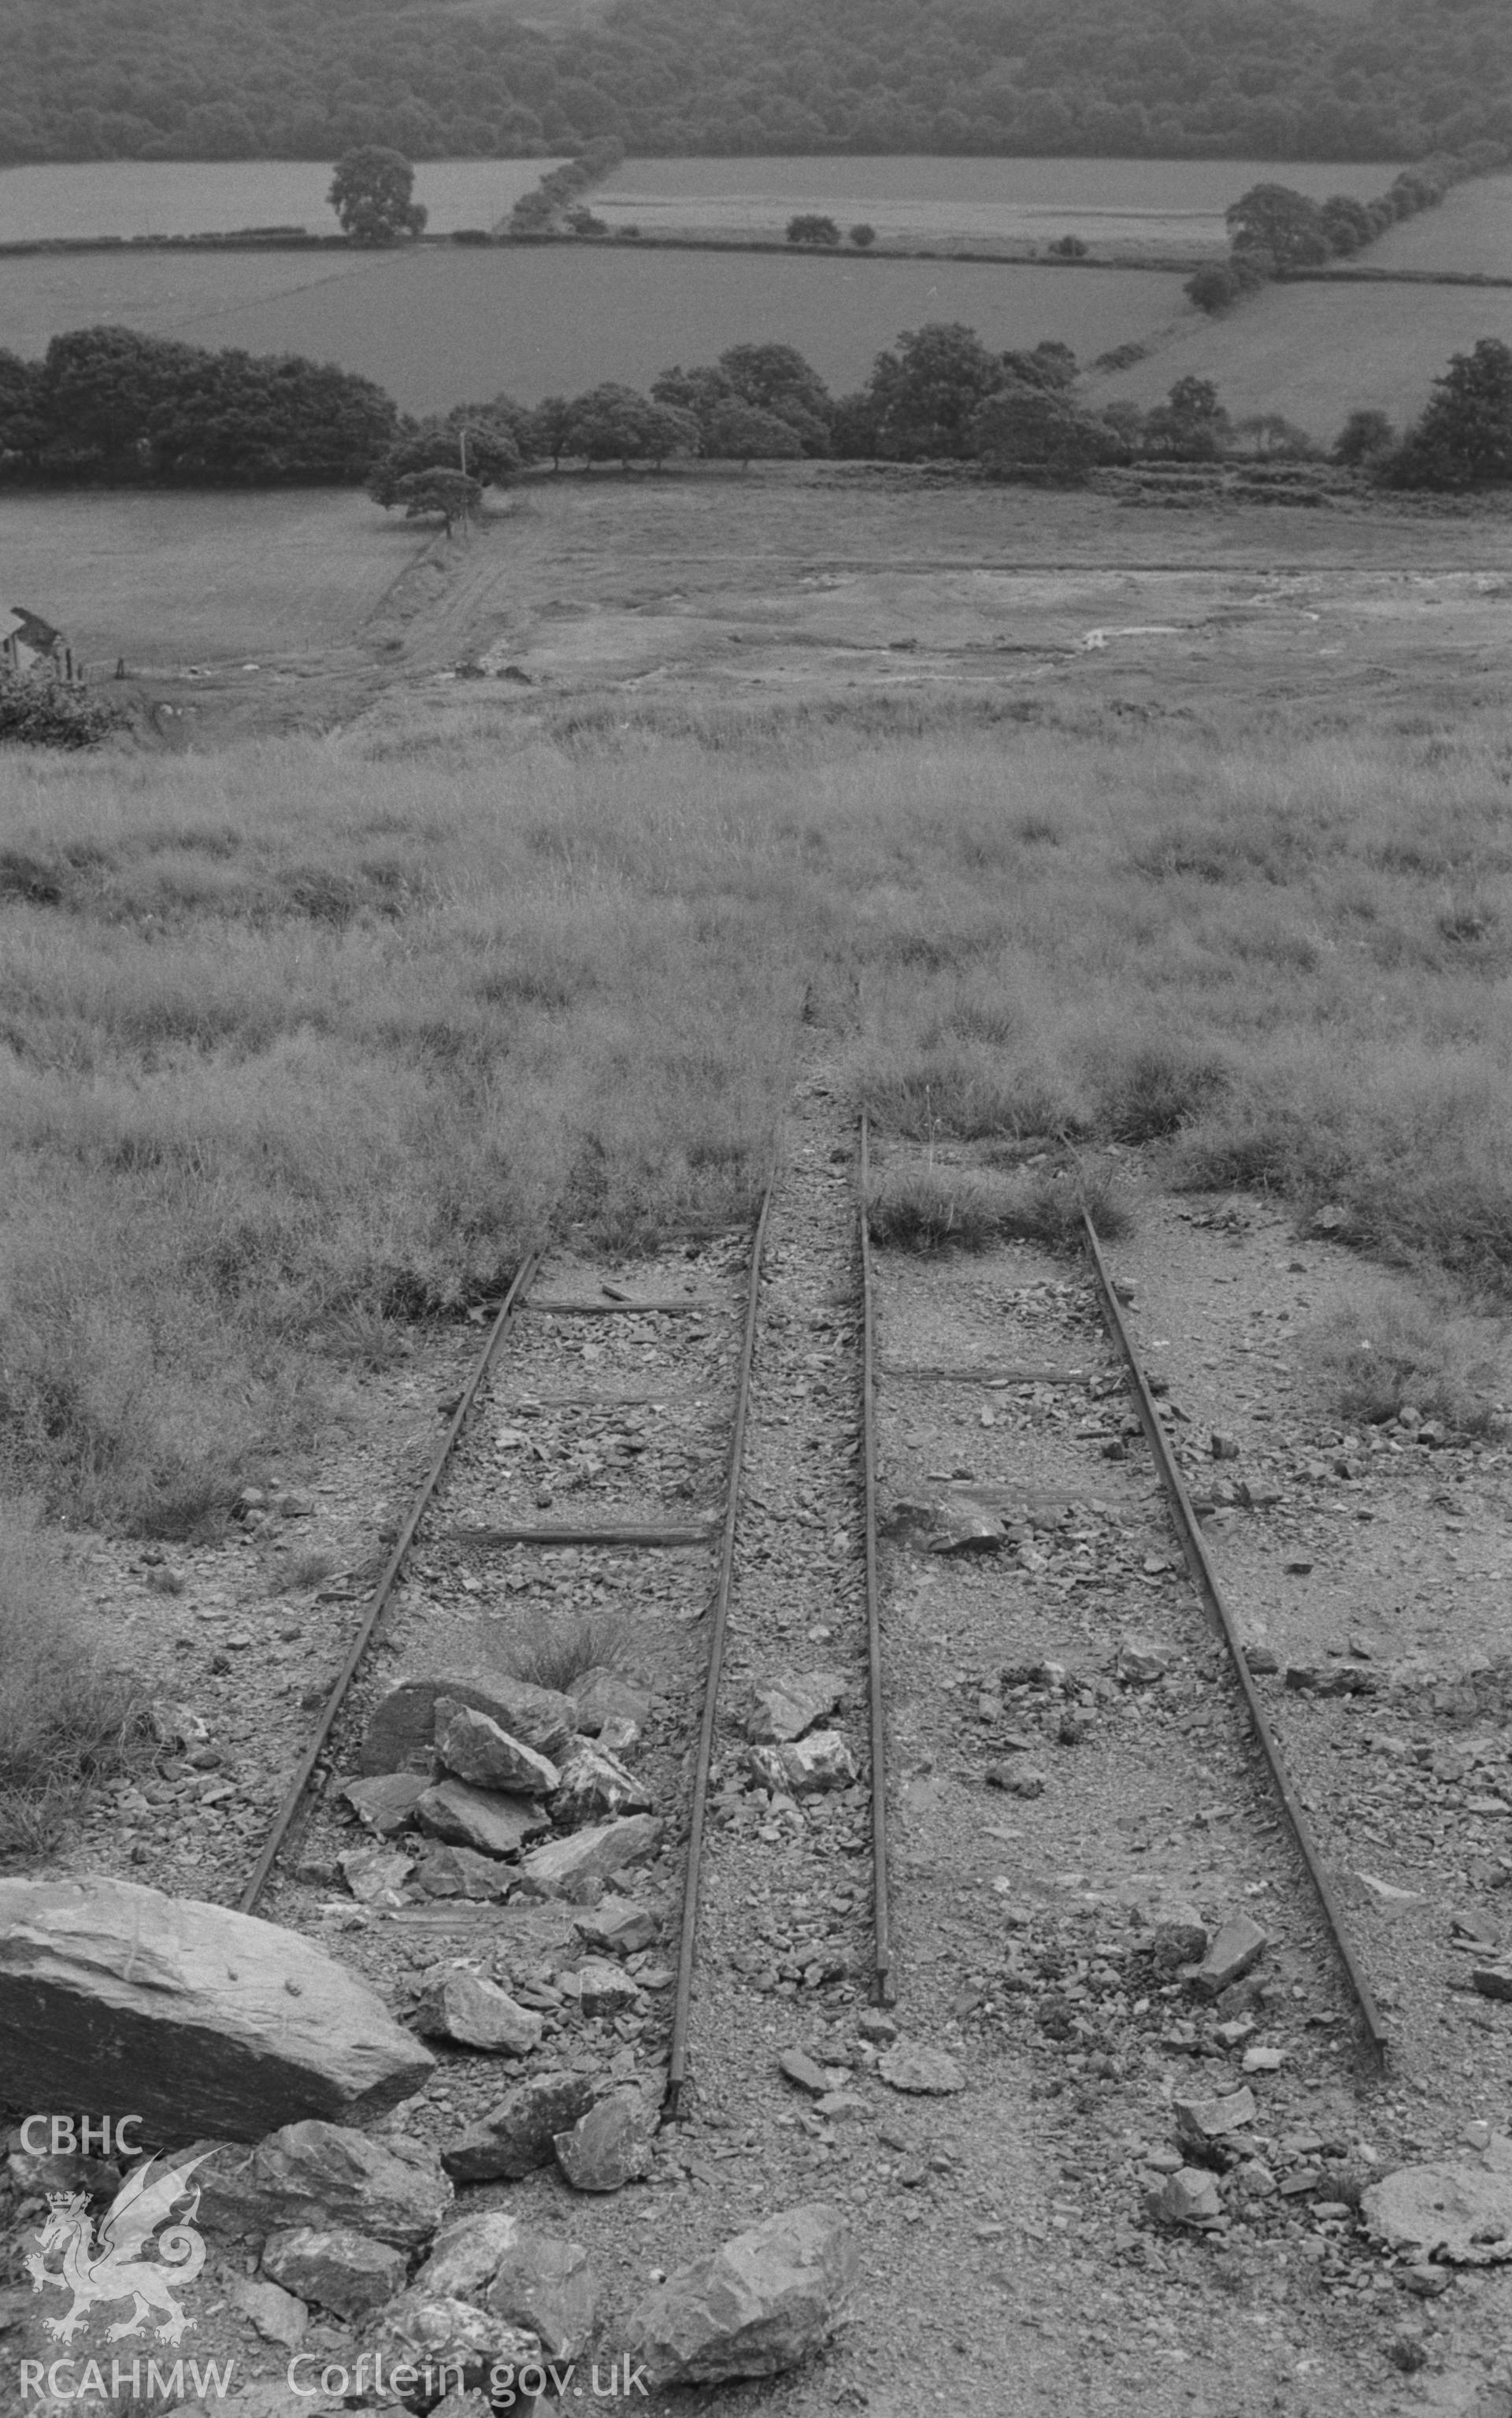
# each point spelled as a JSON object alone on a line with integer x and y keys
{"x": 1454, "y": 2212}
{"x": 276, "y": 2314}
{"x": 610, "y": 2146}
{"x": 462, "y": 1872}
{"x": 326, "y": 2175}
{"x": 457, "y": 2342}
{"x": 601, "y": 1694}
{"x": 595, "y": 1783}
{"x": 376, "y": 1874}
{"x": 806, "y": 1766}
{"x": 547, "y": 2286}
{"x": 459, "y": 2005}
{"x": 1209, "y": 2119}
{"x": 594, "y": 1854}
{"x": 1189, "y": 2197}
{"x": 197, "y": 2018}
{"x": 477, "y": 1818}
{"x": 473, "y": 1745}
{"x": 617, "y": 1925}
{"x": 1234, "y": 1949}
{"x": 762, "y": 2304}
{"x": 402, "y": 1729}
{"x": 517, "y": 2135}
{"x": 914, "y": 2067}
{"x": 604, "y": 1989}
{"x": 385, "y": 1803}
{"x": 788, "y": 1705}
{"x": 465, "y": 2254}
{"x": 338, "y": 2269}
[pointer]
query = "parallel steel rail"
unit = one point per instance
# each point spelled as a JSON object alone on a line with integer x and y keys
{"x": 882, "y": 1920}
{"x": 282, "y": 1820}
{"x": 1204, "y": 1579}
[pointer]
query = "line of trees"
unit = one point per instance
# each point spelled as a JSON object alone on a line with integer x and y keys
{"x": 107, "y": 406}
{"x": 290, "y": 79}
{"x": 1273, "y": 229}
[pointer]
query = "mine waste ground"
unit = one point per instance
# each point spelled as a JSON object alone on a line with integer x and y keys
{"x": 1115, "y": 2148}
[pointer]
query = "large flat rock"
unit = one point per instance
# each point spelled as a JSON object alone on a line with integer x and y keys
{"x": 201, "y": 2021}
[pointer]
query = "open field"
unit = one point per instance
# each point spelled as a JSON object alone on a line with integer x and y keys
{"x": 1159, "y": 843}
{"x": 1318, "y": 352}
{"x": 436, "y": 328}
{"x": 1117, "y": 206}
{"x": 126, "y": 197}
{"x": 1470, "y": 230}
{"x": 174, "y": 579}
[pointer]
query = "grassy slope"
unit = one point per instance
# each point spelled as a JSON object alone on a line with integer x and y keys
{"x": 303, "y": 1037}
{"x": 1318, "y": 352}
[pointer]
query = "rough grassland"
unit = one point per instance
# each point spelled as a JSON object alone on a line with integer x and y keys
{"x": 301, "y": 1038}
{"x": 166, "y": 579}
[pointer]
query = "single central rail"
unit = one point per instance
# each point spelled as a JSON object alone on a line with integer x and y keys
{"x": 688, "y": 1943}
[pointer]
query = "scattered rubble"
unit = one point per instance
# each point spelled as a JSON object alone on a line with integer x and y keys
{"x": 401, "y": 1731}
{"x": 338, "y": 2269}
{"x": 459, "y": 2005}
{"x": 326, "y": 2176}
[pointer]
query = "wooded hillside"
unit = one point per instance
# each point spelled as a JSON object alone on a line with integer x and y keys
{"x": 1274, "y": 79}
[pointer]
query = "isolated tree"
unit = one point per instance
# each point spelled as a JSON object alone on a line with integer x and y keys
{"x": 1464, "y": 437}
{"x": 810, "y": 227}
{"x": 1068, "y": 247}
{"x": 371, "y": 192}
{"x": 1366, "y": 437}
{"x": 443, "y": 495}
{"x": 741, "y": 432}
{"x": 863, "y": 236}
{"x": 1287, "y": 225}
{"x": 926, "y": 389}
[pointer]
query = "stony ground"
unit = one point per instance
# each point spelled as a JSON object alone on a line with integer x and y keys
{"x": 1068, "y": 1773}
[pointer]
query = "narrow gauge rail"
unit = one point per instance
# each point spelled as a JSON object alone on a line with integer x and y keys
{"x": 519, "y": 1298}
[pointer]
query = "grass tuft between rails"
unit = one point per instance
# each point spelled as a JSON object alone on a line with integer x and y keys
{"x": 932, "y": 1207}
{"x": 556, "y": 1653}
{"x": 304, "y": 1039}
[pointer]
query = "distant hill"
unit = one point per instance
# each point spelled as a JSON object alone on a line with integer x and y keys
{"x": 307, "y": 79}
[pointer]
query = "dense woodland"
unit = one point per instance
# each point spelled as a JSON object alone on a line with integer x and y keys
{"x": 1270, "y": 79}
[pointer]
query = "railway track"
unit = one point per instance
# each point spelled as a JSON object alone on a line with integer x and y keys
{"x": 957, "y": 1977}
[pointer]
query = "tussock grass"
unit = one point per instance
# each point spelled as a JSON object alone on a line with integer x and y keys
{"x": 1388, "y": 1351}
{"x": 65, "y": 1719}
{"x": 303, "y": 1040}
{"x": 933, "y": 1207}
{"x": 555, "y": 1653}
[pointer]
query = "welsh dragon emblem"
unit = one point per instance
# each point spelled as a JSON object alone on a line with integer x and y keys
{"x": 111, "y": 2269}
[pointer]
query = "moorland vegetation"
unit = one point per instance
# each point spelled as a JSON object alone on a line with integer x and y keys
{"x": 309, "y": 1037}
{"x": 247, "y": 79}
